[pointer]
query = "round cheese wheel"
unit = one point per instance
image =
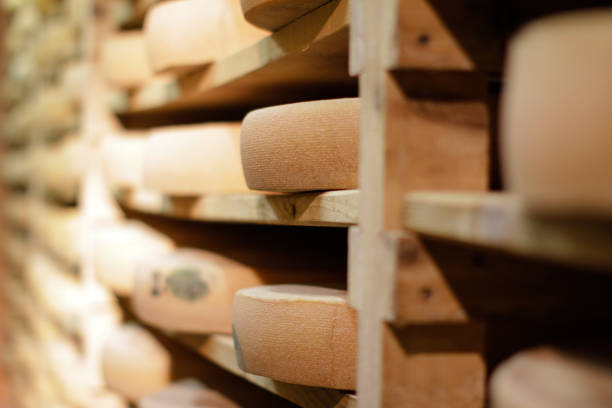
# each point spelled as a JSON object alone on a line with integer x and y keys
{"x": 274, "y": 14}
{"x": 302, "y": 146}
{"x": 122, "y": 156}
{"x": 545, "y": 378}
{"x": 59, "y": 168}
{"x": 193, "y": 290}
{"x": 186, "y": 33}
{"x": 556, "y": 120}
{"x": 125, "y": 60}
{"x": 187, "y": 393}
{"x": 15, "y": 167}
{"x": 59, "y": 230}
{"x": 120, "y": 247}
{"x": 297, "y": 334}
{"x": 134, "y": 363}
{"x": 191, "y": 160}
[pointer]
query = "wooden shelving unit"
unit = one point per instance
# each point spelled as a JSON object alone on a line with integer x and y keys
{"x": 335, "y": 208}
{"x": 449, "y": 273}
{"x": 304, "y": 60}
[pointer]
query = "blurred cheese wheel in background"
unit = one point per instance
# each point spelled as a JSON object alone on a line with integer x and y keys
{"x": 297, "y": 334}
{"x": 122, "y": 155}
{"x": 187, "y": 33}
{"x": 546, "y": 378}
{"x": 192, "y": 290}
{"x": 556, "y": 121}
{"x": 302, "y": 146}
{"x": 134, "y": 363}
{"x": 274, "y": 14}
{"x": 120, "y": 247}
{"x": 194, "y": 159}
{"x": 187, "y": 393}
{"x": 125, "y": 60}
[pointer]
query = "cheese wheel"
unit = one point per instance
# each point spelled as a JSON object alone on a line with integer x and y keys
{"x": 122, "y": 156}
{"x": 73, "y": 80}
{"x": 297, "y": 334}
{"x": 274, "y": 14}
{"x": 15, "y": 167}
{"x": 302, "y": 146}
{"x": 59, "y": 231}
{"x": 134, "y": 363}
{"x": 58, "y": 293}
{"x": 545, "y": 378}
{"x": 187, "y": 393}
{"x": 120, "y": 247}
{"x": 191, "y": 160}
{"x": 54, "y": 113}
{"x": 193, "y": 290}
{"x": 107, "y": 399}
{"x": 187, "y": 33}
{"x": 59, "y": 168}
{"x": 556, "y": 120}
{"x": 125, "y": 60}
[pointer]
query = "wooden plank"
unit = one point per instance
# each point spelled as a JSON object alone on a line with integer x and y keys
{"x": 333, "y": 208}
{"x": 499, "y": 221}
{"x": 307, "y": 59}
{"x": 220, "y": 350}
{"x": 274, "y": 14}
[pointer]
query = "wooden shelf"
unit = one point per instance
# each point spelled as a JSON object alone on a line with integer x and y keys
{"x": 499, "y": 221}
{"x": 333, "y": 208}
{"x": 307, "y": 59}
{"x": 220, "y": 350}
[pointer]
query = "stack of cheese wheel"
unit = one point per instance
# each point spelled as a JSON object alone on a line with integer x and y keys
{"x": 57, "y": 292}
{"x": 546, "y": 378}
{"x": 274, "y": 14}
{"x": 15, "y": 169}
{"x": 556, "y": 120}
{"x": 122, "y": 157}
{"x": 187, "y": 393}
{"x": 134, "y": 363}
{"x": 194, "y": 159}
{"x": 282, "y": 150}
{"x": 125, "y": 61}
{"x": 297, "y": 334}
{"x": 188, "y": 33}
{"x": 193, "y": 290}
{"x": 59, "y": 230}
{"x": 59, "y": 168}
{"x": 120, "y": 247}
{"x": 57, "y": 42}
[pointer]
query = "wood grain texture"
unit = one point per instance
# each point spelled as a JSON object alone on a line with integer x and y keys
{"x": 192, "y": 290}
{"x": 547, "y": 378}
{"x": 189, "y": 33}
{"x": 335, "y": 208}
{"x": 298, "y": 334}
{"x": 304, "y": 60}
{"x": 500, "y": 221}
{"x": 192, "y": 160}
{"x": 282, "y": 151}
{"x": 547, "y": 163}
{"x": 274, "y": 14}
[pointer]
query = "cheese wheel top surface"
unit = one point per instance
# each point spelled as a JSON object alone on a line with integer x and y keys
{"x": 302, "y": 146}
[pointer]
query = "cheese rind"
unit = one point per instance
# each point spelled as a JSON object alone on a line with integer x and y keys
{"x": 302, "y": 146}
{"x": 120, "y": 247}
{"x": 122, "y": 156}
{"x": 192, "y": 160}
{"x": 555, "y": 118}
{"x": 545, "y": 378}
{"x": 297, "y": 334}
{"x": 125, "y": 60}
{"x": 134, "y": 363}
{"x": 184, "y": 34}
